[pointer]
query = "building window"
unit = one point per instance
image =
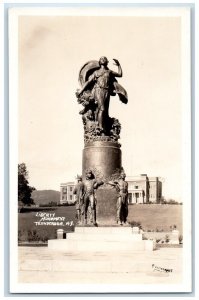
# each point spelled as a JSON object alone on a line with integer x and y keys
{"x": 71, "y": 197}
{"x": 64, "y": 190}
{"x": 71, "y": 188}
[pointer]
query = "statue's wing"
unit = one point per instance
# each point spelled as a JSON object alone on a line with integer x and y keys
{"x": 87, "y": 69}
{"x": 121, "y": 92}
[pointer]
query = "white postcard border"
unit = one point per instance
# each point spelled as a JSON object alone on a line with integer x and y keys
{"x": 184, "y": 13}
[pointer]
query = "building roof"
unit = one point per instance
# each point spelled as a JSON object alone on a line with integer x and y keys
{"x": 67, "y": 183}
{"x": 136, "y": 190}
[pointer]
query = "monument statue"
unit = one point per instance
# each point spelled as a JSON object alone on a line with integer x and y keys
{"x": 98, "y": 83}
{"x": 79, "y": 199}
{"x": 122, "y": 202}
{"x": 102, "y": 155}
{"x": 90, "y": 201}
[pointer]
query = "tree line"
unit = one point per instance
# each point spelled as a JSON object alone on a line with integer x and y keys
{"x": 24, "y": 189}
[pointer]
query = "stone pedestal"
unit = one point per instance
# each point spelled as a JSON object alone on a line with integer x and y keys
{"x": 60, "y": 233}
{"x": 104, "y": 158}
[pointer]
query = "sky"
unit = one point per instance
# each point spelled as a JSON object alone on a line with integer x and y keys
{"x": 52, "y": 50}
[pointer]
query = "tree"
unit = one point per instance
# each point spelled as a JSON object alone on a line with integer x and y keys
{"x": 24, "y": 190}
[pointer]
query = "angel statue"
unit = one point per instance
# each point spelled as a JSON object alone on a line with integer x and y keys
{"x": 98, "y": 83}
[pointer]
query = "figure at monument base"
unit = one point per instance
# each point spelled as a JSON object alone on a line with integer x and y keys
{"x": 90, "y": 201}
{"x": 122, "y": 202}
{"x": 79, "y": 199}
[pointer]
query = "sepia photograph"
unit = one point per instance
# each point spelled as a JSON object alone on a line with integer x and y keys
{"x": 100, "y": 117}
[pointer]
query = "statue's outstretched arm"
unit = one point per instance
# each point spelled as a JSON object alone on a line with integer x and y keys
{"x": 98, "y": 183}
{"x": 119, "y": 74}
{"x": 112, "y": 183}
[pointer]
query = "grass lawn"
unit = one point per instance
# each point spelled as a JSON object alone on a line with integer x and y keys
{"x": 156, "y": 216}
{"x": 151, "y": 217}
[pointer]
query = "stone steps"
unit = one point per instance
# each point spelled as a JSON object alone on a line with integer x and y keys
{"x": 103, "y": 237}
{"x": 118, "y": 230}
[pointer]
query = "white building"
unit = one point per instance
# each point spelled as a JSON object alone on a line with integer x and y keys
{"x": 66, "y": 192}
{"x": 144, "y": 189}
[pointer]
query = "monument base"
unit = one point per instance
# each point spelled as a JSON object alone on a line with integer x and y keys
{"x": 102, "y": 239}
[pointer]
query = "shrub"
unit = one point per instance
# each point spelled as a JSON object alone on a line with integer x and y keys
{"x": 52, "y": 203}
{"x": 135, "y": 224}
{"x": 67, "y": 204}
{"x": 40, "y": 235}
{"x": 180, "y": 238}
{"x": 44, "y": 238}
{"x": 167, "y": 238}
{"x": 173, "y": 227}
{"x": 19, "y": 235}
{"x": 170, "y": 201}
{"x": 159, "y": 229}
{"x": 33, "y": 236}
{"x": 22, "y": 235}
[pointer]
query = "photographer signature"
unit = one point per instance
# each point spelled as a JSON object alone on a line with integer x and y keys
{"x": 159, "y": 269}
